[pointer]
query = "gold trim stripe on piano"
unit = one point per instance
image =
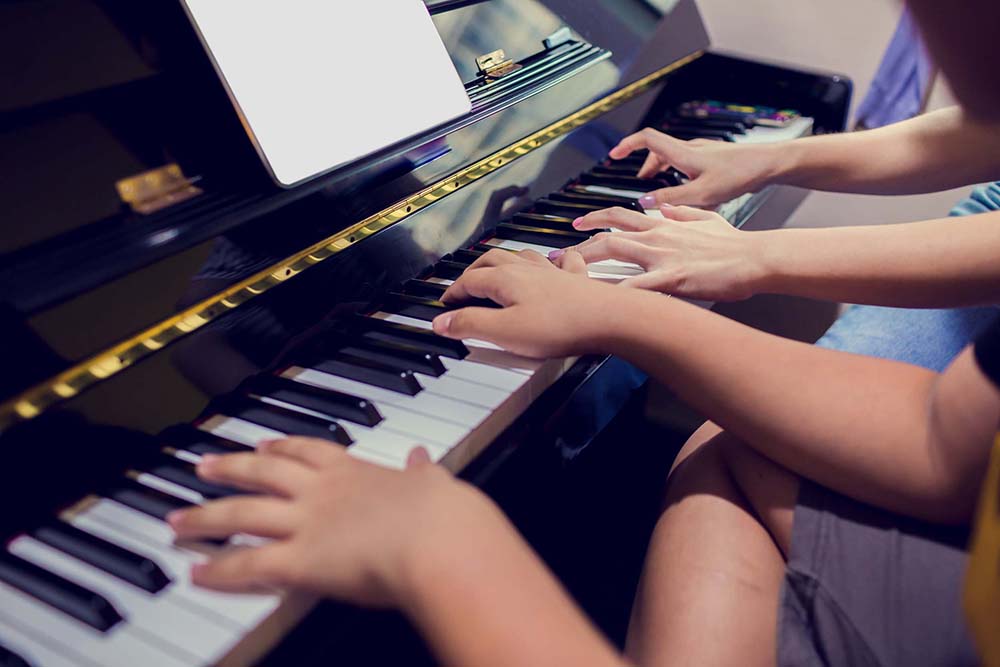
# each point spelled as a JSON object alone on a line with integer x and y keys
{"x": 105, "y": 364}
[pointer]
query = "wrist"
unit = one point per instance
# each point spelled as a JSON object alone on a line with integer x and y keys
{"x": 450, "y": 552}
{"x": 778, "y": 161}
{"x": 770, "y": 253}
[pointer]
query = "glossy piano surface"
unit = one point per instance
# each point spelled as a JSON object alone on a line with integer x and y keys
{"x": 96, "y": 91}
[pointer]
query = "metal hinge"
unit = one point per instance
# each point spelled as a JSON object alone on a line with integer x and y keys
{"x": 496, "y": 64}
{"x": 156, "y": 189}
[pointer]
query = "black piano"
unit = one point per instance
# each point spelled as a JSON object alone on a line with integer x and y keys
{"x": 161, "y": 299}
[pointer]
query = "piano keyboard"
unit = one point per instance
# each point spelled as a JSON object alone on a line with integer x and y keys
{"x": 104, "y": 584}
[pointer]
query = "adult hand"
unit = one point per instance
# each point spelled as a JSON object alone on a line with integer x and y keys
{"x": 719, "y": 171}
{"x": 691, "y": 253}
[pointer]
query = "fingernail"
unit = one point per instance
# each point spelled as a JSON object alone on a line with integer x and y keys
{"x": 576, "y": 223}
{"x": 175, "y": 517}
{"x": 264, "y": 445}
{"x": 666, "y": 205}
{"x": 556, "y": 254}
{"x": 647, "y": 201}
{"x": 198, "y": 569}
{"x": 443, "y": 322}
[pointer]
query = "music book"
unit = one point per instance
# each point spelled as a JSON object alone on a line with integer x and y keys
{"x": 320, "y": 83}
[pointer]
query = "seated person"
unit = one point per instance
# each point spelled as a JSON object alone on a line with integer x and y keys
{"x": 887, "y": 457}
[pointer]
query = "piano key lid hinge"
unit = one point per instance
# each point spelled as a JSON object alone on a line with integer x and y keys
{"x": 157, "y": 189}
{"x": 496, "y": 64}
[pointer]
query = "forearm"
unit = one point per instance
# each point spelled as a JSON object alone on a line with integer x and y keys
{"x": 937, "y": 263}
{"x": 855, "y": 424}
{"x": 492, "y": 602}
{"x": 936, "y": 151}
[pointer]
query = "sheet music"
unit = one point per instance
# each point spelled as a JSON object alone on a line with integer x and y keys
{"x": 320, "y": 83}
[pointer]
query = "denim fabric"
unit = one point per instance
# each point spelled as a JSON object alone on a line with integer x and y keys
{"x": 930, "y": 338}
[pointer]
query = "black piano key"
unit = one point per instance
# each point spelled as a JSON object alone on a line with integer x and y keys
{"x": 734, "y": 126}
{"x": 424, "y": 289}
{"x": 113, "y": 559}
{"x": 544, "y": 221}
{"x": 369, "y": 372}
{"x": 466, "y": 256}
{"x": 184, "y": 474}
{"x": 551, "y": 238}
{"x": 578, "y": 190}
{"x": 700, "y": 133}
{"x": 413, "y": 306}
{"x": 402, "y": 357}
{"x": 337, "y": 405}
{"x": 449, "y": 269}
{"x": 188, "y": 438}
{"x": 283, "y": 419}
{"x": 146, "y": 500}
{"x": 10, "y": 659}
{"x": 615, "y": 169}
{"x": 82, "y": 604}
{"x": 624, "y": 182}
{"x": 428, "y": 341}
{"x": 571, "y": 210}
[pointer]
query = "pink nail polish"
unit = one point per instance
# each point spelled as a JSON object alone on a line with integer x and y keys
{"x": 556, "y": 254}
{"x": 576, "y": 223}
{"x": 647, "y": 201}
{"x": 174, "y": 517}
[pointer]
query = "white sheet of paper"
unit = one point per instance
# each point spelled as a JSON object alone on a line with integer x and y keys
{"x": 319, "y": 83}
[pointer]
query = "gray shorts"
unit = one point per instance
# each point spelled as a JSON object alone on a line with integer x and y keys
{"x": 864, "y": 587}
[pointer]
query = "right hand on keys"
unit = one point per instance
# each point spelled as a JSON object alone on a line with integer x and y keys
{"x": 690, "y": 253}
{"x": 719, "y": 171}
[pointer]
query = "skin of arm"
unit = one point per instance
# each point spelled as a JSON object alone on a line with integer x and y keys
{"x": 417, "y": 540}
{"x": 936, "y": 151}
{"x": 697, "y": 254}
{"x": 890, "y": 434}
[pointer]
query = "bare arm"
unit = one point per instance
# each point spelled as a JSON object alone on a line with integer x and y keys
{"x": 936, "y": 263}
{"x": 417, "y": 540}
{"x": 891, "y": 434}
{"x": 935, "y": 151}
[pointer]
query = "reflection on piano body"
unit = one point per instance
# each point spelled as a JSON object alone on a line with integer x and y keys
{"x": 208, "y": 310}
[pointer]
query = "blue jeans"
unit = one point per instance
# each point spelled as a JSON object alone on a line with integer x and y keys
{"x": 925, "y": 337}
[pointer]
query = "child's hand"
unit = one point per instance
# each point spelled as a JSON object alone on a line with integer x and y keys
{"x": 719, "y": 171}
{"x": 340, "y": 527}
{"x": 691, "y": 253}
{"x": 548, "y": 311}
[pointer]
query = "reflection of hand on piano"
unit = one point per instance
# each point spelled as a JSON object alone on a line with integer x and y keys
{"x": 686, "y": 252}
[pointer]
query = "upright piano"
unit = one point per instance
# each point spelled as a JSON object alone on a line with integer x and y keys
{"x": 161, "y": 298}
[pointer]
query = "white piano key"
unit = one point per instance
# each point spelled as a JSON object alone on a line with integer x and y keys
{"x": 418, "y": 426}
{"x": 486, "y": 374}
{"x": 463, "y": 390}
{"x": 376, "y": 457}
{"x": 154, "y": 539}
{"x": 165, "y": 622}
{"x": 606, "y": 267}
{"x": 427, "y": 326}
{"x": 389, "y": 443}
{"x": 170, "y": 488}
{"x": 121, "y": 646}
{"x": 38, "y": 652}
{"x": 424, "y": 403}
{"x": 614, "y": 192}
{"x": 439, "y": 281}
{"x": 239, "y": 430}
